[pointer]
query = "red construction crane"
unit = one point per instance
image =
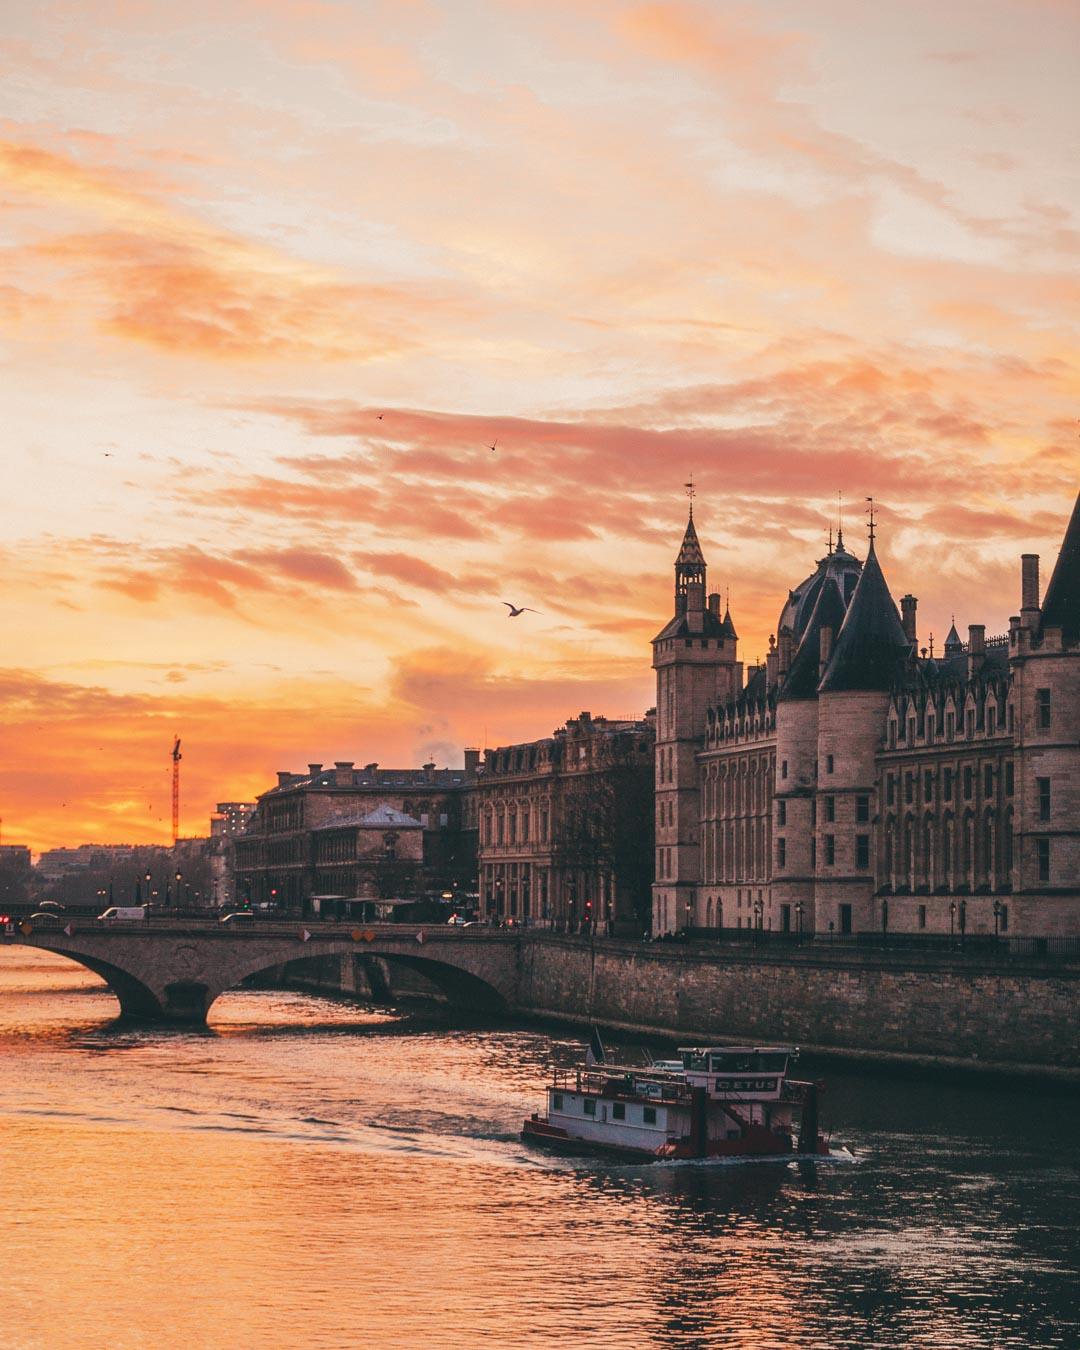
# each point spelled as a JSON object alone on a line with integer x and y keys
{"x": 176, "y": 758}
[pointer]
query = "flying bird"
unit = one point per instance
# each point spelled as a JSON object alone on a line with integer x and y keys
{"x": 491, "y": 447}
{"x": 521, "y": 609}
{"x": 379, "y": 417}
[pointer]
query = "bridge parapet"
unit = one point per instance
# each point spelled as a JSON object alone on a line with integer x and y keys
{"x": 174, "y": 970}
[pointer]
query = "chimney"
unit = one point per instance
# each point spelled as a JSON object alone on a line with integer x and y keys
{"x": 429, "y": 773}
{"x": 314, "y": 770}
{"x": 825, "y": 650}
{"x": 472, "y": 761}
{"x": 1029, "y": 590}
{"x": 371, "y": 768}
{"x": 908, "y": 605}
{"x": 772, "y": 663}
{"x": 976, "y": 647}
{"x": 343, "y": 773}
{"x": 785, "y": 650}
{"x": 283, "y": 777}
{"x": 714, "y": 604}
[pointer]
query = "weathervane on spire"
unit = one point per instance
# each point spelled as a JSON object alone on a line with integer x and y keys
{"x": 691, "y": 492}
{"x": 870, "y": 514}
{"x": 839, "y": 520}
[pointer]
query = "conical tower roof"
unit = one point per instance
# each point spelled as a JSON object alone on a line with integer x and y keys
{"x": 802, "y": 678}
{"x": 953, "y": 644}
{"x": 690, "y": 552}
{"x": 872, "y": 646}
{"x": 1061, "y": 603}
{"x": 727, "y": 628}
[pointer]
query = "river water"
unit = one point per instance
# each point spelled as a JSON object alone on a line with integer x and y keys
{"x": 309, "y": 1173}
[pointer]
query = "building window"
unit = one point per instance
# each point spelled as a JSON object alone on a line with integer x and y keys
{"x": 909, "y": 788}
{"x": 1008, "y": 778}
{"x": 950, "y": 725}
{"x": 828, "y": 763}
{"x": 911, "y": 730}
{"x": 813, "y": 852}
{"x": 928, "y": 785}
{"x": 862, "y": 810}
{"x": 830, "y": 849}
{"x": 781, "y": 852}
{"x": 830, "y": 808}
{"x": 648, "y": 1115}
{"x": 556, "y": 1101}
{"x": 991, "y": 720}
{"x": 890, "y": 790}
{"x": 922, "y": 916}
{"x": 783, "y": 768}
{"x": 1003, "y": 918}
{"x": 862, "y": 851}
{"x": 589, "y": 1105}
{"x": 970, "y": 723}
{"x": 947, "y": 784}
{"x": 988, "y": 780}
{"x": 781, "y": 813}
{"x": 618, "y": 1110}
{"x": 1042, "y": 708}
{"x": 969, "y": 782}
{"x": 1043, "y": 787}
{"x": 892, "y": 734}
{"x": 1043, "y": 854}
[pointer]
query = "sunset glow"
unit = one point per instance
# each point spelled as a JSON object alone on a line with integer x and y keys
{"x": 279, "y": 274}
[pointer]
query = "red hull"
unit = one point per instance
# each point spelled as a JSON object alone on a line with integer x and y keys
{"x": 757, "y": 1143}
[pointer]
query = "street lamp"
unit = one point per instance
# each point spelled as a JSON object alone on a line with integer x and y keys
{"x": 179, "y": 879}
{"x": 147, "y": 880}
{"x": 997, "y": 919}
{"x": 689, "y": 916}
{"x": 884, "y": 919}
{"x": 759, "y": 910}
{"x": 952, "y": 921}
{"x": 798, "y": 920}
{"x": 963, "y": 921}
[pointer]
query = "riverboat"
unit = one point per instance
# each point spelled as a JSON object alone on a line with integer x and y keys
{"x": 713, "y": 1102}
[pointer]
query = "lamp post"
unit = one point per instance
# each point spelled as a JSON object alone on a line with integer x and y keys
{"x": 884, "y": 920}
{"x": 179, "y": 879}
{"x": 952, "y": 921}
{"x": 147, "y": 880}
{"x": 689, "y": 916}
{"x": 798, "y": 920}
{"x": 997, "y": 920}
{"x": 963, "y": 922}
{"x": 759, "y": 910}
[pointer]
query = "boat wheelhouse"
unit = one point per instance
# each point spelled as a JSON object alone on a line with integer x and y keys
{"x": 714, "y": 1101}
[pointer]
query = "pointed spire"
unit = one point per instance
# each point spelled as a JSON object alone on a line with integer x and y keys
{"x": 1061, "y": 603}
{"x": 953, "y": 644}
{"x": 690, "y": 551}
{"x": 872, "y": 646}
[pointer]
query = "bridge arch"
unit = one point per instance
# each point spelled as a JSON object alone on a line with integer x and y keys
{"x": 176, "y": 975}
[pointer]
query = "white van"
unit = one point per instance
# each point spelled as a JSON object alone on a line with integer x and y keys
{"x": 123, "y": 914}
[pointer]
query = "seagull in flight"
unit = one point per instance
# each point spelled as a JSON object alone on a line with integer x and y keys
{"x": 519, "y": 609}
{"x": 379, "y": 417}
{"x": 491, "y": 447}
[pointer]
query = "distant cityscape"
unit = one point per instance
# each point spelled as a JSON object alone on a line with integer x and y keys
{"x": 857, "y": 781}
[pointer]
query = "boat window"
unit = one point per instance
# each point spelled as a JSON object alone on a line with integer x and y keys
{"x": 772, "y": 1063}
{"x": 590, "y": 1106}
{"x": 731, "y": 1063}
{"x": 694, "y": 1059}
{"x": 618, "y": 1110}
{"x": 556, "y": 1101}
{"x": 648, "y": 1115}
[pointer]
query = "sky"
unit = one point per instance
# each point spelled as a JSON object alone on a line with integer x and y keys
{"x": 278, "y": 275}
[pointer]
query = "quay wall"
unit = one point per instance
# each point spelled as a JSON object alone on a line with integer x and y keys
{"x": 904, "y": 1006}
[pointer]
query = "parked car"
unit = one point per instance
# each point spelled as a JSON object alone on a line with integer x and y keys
{"x": 238, "y": 918}
{"x": 45, "y": 918}
{"x": 123, "y": 914}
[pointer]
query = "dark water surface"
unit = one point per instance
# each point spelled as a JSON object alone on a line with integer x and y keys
{"x": 309, "y": 1173}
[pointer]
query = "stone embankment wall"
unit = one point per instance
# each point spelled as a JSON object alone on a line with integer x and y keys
{"x": 881, "y": 1005}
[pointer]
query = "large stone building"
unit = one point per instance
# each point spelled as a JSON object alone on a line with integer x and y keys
{"x": 855, "y": 782}
{"x": 564, "y": 827}
{"x": 370, "y": 833}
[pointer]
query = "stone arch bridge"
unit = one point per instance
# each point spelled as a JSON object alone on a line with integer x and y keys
{"x": 173, "y": 971}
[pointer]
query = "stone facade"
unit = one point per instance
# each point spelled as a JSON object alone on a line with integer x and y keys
{"x": 561, "y": 827}
{"x": 856, "y": 783}
{"x": 370, "y": 832}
